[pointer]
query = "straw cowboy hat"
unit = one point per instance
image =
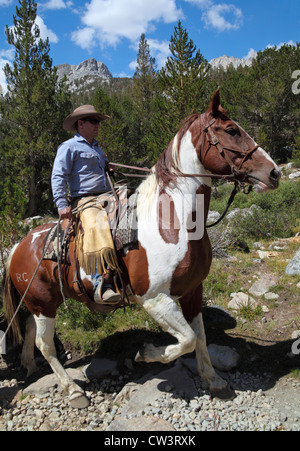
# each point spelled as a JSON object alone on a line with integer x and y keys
{"x": 82, "y": 112}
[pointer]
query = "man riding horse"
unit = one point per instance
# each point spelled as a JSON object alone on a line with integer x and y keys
{"x": 166, "y": 265}
{"x": 80, "y": 169}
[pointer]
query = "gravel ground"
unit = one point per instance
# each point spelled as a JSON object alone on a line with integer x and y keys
{"x": 253, "y": 409}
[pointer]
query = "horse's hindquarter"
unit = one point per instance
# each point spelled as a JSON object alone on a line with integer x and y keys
{"x": 42, "y": 297}
{"x": 27, "y": 256}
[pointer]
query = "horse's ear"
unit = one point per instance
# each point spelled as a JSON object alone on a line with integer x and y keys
{"x": 214, "y": 104}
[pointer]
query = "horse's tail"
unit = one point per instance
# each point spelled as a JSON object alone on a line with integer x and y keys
{"x": 11, "y": 300}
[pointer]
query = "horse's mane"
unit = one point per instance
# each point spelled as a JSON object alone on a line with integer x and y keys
{"x": 166, "y": 168}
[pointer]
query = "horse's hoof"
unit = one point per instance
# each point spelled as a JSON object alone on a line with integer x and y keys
{"x": 224, "y": 394}
{"x": 80, "y": 402}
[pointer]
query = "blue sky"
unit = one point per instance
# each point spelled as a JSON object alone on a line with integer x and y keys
{"x": 109, "y": 30}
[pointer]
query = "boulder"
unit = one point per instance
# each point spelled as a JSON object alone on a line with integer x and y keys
{"x": 139, "y": 395}
{"x": 293, "y": 268}
{"x": 262, "y": 285}
{"x": 240, "y": 300}
{"x": 294, "y": 175}
{"x": 43, "y": 385}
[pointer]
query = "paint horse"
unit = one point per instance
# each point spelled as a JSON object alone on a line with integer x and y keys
{"x": 165, "y": 270}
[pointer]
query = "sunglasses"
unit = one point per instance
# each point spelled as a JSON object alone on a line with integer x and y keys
{"x": 91, "y": 120}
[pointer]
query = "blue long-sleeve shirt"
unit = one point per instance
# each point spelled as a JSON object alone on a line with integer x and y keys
{"x": 78, "y": 167}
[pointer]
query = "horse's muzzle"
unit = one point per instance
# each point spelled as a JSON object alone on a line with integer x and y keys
{"x": 263, "y": 182}
{"x": 275, "y": 177}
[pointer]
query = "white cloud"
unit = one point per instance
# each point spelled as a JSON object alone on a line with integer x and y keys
{"x": 84, "y": 37}
{"x": 45, "y": 32}
{"x": 219, "y": 16}
{"x": 133, "y": 65}
{"x": 107, "y": 22}
{"x": 6, "y": 57}
{"x": 203, "y": 4}
{"x": 215, "y": 17}
{"x": 3, "y": 85}
{"x": 52, "y": 4}
{"x": 7, "y": 54}
{"x": 160, "y": 51}
{"x": 5, "y": 2}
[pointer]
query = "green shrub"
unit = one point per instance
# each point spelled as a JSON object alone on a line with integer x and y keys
{"x": 249, "y": 313}
{"x": 276, "y": 216}
{"x": 262, "y": 224}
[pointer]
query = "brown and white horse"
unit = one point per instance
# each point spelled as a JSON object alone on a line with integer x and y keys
{"x": 173, "y": 255}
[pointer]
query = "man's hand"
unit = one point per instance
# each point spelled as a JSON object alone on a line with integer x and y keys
{"x": 65, "y": 213}
{"x": 110, "y": 169}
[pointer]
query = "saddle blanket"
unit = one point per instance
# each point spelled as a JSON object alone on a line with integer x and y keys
{"x": 54, "y": 242}
{"x": 127, "y": 227}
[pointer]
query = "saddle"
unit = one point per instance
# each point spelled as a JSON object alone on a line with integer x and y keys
{"x": 61, "y": 242}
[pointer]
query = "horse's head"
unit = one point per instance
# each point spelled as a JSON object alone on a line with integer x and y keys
{"x": 225, "y": 148}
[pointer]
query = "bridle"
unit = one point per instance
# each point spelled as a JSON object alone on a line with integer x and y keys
{"x": 209, "y": 135}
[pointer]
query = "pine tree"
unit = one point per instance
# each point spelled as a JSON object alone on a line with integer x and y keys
{"x": 33, "y": 108}
{"x": 144, "y": 90}
{"x": 182, "y": 90}
{"x": 183, "y": 79}
{"x": 275, "y": 106}
{"x": 144, "y": 79}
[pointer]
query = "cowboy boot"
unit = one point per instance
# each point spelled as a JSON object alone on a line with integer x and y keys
{"x": 104, "y": 293}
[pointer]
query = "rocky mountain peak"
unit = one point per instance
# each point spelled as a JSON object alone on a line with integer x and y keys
{"x": 225, "y": 61}
{"x": 90, "y": 69}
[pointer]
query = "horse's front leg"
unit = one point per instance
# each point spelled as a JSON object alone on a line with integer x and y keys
{"x": 168, "y": 315}
{"x": 218, "y": 387}
{"x": 192, "y": 309}
{"x": 45, "y": 343}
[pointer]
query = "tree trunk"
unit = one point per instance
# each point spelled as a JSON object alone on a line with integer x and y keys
{"x": 32, "y": 202}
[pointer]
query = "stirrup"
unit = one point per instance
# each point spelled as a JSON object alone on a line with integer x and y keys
{"x": 103, "y": 295}
{"x": 111, "y": 297}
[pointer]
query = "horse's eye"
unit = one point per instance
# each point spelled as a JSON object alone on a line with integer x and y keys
{"x": 231, "y": 131}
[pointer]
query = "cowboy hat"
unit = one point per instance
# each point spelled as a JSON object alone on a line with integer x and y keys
{"x": 82, "y": 112}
